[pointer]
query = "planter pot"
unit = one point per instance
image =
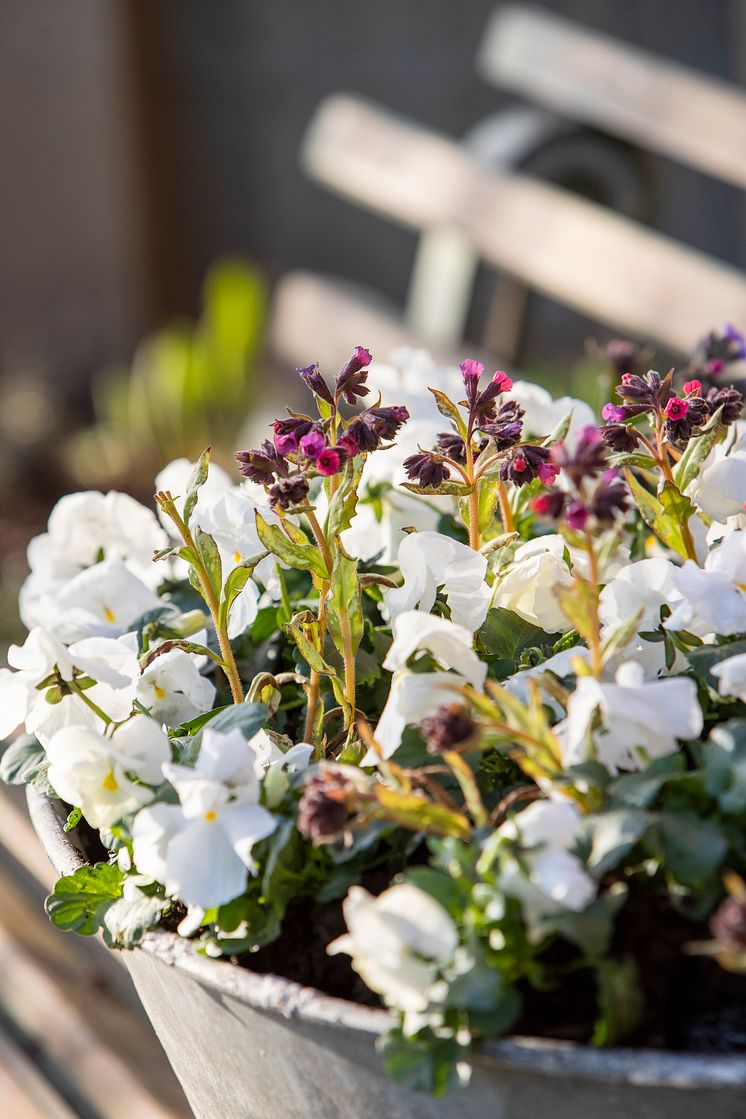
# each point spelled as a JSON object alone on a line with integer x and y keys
{"x": 248, "y": 1046}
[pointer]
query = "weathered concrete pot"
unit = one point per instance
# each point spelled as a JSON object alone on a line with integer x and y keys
{"x": 248, "y": 1046}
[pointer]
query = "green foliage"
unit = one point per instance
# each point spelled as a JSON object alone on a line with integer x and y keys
{"x": 190, "y": 384}
{"x": 620, "y": 1001}
{"x": 424, "y": 1063}
{"x": 126, "y": 920}
{"x": 24, "y": 762}
{"x": 80, "y": 901}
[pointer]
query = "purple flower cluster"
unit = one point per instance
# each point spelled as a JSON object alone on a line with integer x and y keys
{"x": 681, "y": 417}
{"x": 596, "y": 494}
{"x": 303, "y": 448}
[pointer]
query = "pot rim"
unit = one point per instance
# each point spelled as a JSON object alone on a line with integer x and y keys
{"x": 284, "y": 997}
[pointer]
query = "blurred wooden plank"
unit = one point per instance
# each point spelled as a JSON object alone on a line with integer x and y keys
{"x": 320, "y": 318}
{"x": 24, "y": 1093}
{"x": 65, "y": 972}
{"x": 629, "y": 92}
{"x": 59, "y": 1029}
{"x": 606, "y": 266}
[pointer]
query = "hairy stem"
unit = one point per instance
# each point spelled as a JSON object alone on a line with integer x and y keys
{"x": 506, "y": 513}
{"x": 228, "y": 661}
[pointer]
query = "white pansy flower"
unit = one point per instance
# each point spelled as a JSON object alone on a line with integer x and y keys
{"x": 44, "y": 691}
{"x": 107, "y": 778}
{"x": 450, "y": 645}
{"x": 231, "y": 521}
{"x": 731, "y": 676}
{"x": 642, "y": 587}
{"x": 548, "y": 879}
{"x": 201, "y": 848}
{"x": 175, "y": 478}
{"x": 713, "y": 599}
{"x": 174, "y": 690}
{"x": 413, "y": 696}
{"x": 719, "y": 488}
{"x": 85, "y": 528}
{"x": 103, "y": 600}
{"x": 429, "y": 561}
{"x": 543, "y": 413}
{"x": 530, "y": 583}
{"x": 640, "y": 720}
{"x": 398, "y": 942}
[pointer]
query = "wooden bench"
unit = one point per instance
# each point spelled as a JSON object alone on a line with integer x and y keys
{"x": 606, "y": 265}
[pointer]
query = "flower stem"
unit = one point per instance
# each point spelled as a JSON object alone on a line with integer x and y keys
{"x": 594, "y": 634}
{"x": 315, "y": 677}
{"x": 208, "y": 593}
{"x": 473, "y": 497}
{"x": 80, "y": 693}
{"x": 320, "y": 539}
{"x": 506, "y": 513}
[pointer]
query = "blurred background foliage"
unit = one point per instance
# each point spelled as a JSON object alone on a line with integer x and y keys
{"x": 190, "y": 385}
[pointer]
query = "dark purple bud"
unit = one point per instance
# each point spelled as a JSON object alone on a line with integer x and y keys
{"x": 352, "y": 377}
{"x": 450, "y": 726}
{"x": 348, "y": 443}
{"x": 288, "y": 492}
{"x": 610, "y": 499}
{"x": 586, "y": 460}
{"x": 576, "y": 515}
{"x": 313, "y": 444}
{"x": 262, "y": 464}
{"x": 316, "y": 383}
{"x": 549, "y": 504}
{"x": 619, "y": 437}
{"x": 326, "y": 804}
{"x": 288, "y": 434}
{"x": 452, "y": 446}
{"x": 521, "y": 464}
{"x": 730, "y": 400}
{"x": 425, "y": 469}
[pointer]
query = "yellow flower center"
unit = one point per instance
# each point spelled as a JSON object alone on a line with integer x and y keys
{"x": 236, "y": 557}
{"x": 110, "y": 782}
{"x": 211, "y": 815}
{"x": 109, "y": 615}
{"x": 159, "y": 691}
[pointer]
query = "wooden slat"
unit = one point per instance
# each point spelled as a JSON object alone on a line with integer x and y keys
{"x": 320, "y": 318}
{"x": 70, "y": 997}
{"x": 604, "y": 265}
{"x": 24, "y": 1093}
{"x": 629, "y": 92}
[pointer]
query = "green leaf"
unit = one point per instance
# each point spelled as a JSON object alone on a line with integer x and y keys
{"x": 455, "y": 489}
{"x": 560, "y": 430}
{"x": 697, "y": 450}
{"x": 311, "y": 655}
{"x": 23, "y": 761}
{"x": 506, "y": 635}
{"x": 198, "y": 478}
{"x": 447, "y": 408}
{"x": 74, "y": 817}
{"x": 725, "y": 766}
{"x": 620, "y": 636}
{"x": 692, "y": 849}
{"x": 344, "y": 604}
{"x": 632, "y": 458}
{"x": 579, "y": 604}
{"x": 306, "y": 557}
{"x": 612, "y": 836}
{"x": 424, "y": 1063}
{"x": 675, "y": 515}
{"x": 487, "y": 500}
{"x": 126, "y": 921}
{"x": 344, "y": 502}
{"x": 620, "y": 1001}
{"x": 79, "y": 901}
{"x": 210, "y": 556}
{"x": 235, "y": 583}
{"x": 667, "y": 514}
{"x": 706, "y": 657}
